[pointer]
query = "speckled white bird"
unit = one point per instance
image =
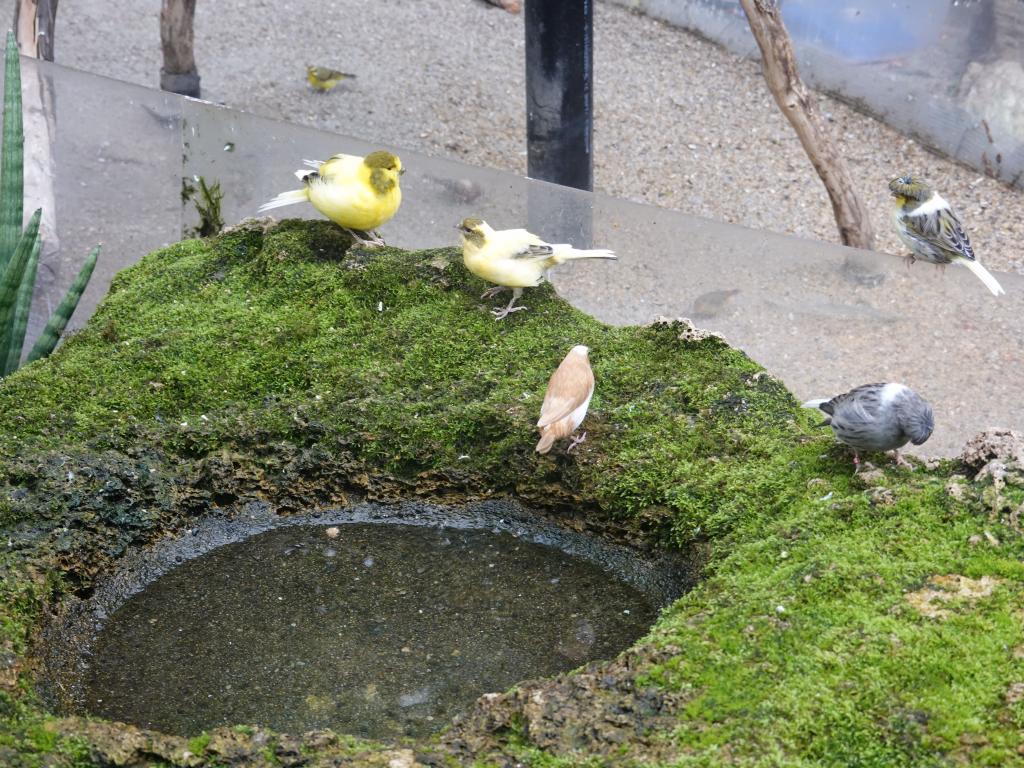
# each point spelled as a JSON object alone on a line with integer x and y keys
{"x": 878, "y": 417}
{"x": 932, "y": 231}
{"x": 514, "y": 258}
{"x": 566, "y": 402}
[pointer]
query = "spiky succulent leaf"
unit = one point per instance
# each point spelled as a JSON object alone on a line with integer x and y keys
{"x": 62, "y": 314}
{"x": 10, "y": 283}
{"x": 12, "y": 156}
{"x": 19, "y": 322}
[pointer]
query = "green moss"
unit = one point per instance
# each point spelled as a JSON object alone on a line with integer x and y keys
{"x": 197, "y": 744}
{"x": 274, "y": 364}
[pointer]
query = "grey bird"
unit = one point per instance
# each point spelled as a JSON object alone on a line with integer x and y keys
{"x": 878, "y": 417}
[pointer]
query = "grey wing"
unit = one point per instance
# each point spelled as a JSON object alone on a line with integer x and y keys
{"x": 534, "y": 252}
{"x": 854, "y": 399}
{"x": 855, "y": 413}
{"x": 941, "y": 231}
{"x": 954, "y": 235}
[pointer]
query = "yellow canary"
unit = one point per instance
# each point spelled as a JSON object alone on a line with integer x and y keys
{"x": 513, "y": 258}
{"x": 566, "y": 401}
{"x": 323, "y": 79}
{"x": 356, "y": 193}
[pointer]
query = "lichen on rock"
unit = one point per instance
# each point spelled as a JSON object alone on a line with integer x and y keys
{"x": 276, "y": 365}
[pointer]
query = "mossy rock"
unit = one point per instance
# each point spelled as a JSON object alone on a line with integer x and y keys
{"x": 872, "y": 620}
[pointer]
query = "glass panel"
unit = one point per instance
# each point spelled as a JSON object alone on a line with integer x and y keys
{"x": 821, "y": 317}
{"x": 102, "y": 158}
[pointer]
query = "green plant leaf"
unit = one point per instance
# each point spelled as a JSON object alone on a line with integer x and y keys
{"x": 19, "y": 323}
{"x": 10, "y": 284}
{"x": 11, "y": 157}
{"x": 59, "y": 319}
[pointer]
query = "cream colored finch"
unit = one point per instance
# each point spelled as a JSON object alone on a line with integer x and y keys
{"x": 567, "y": 399}
{"x": 513, "y": 258}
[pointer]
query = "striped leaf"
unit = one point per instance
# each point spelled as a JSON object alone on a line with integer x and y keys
{"x": 19, "y": 323}
{"x": 62, "y": 314}
{"x": 11, "y": 157}
{"x": 10, "y": 283}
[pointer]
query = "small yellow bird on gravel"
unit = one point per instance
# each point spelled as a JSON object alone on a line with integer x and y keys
{"x": 513, "y": 258}
{"x": 323, "y": 79}
{"x": 358, "y": 194}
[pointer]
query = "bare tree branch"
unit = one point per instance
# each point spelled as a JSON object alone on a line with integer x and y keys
{"x": 797, "y": 104}
{"x": 34, "y": 24}
{"x": 178, "y": 73}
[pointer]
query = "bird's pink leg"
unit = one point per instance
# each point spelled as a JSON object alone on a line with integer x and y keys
{"x": 491, "y": 292}
{"x": 901, "y": 462}
{"x": 576, "y": 441}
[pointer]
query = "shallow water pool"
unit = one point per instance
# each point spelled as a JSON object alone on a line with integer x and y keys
{"x": 379, "y": 631}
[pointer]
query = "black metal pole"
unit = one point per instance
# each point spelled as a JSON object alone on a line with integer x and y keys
{"x": 559, "y": 85}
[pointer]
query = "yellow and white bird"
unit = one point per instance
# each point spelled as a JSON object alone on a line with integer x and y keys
{"x": 932, "y": 231}
{"x": 356, "y": 193}
{"x": 566, "y": 402}
{"x": 513, "y": 258}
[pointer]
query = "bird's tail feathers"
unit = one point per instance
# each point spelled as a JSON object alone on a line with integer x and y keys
{"x": 286, "y": 198}
{"x": 816, "y": 404}
{"x": 314, "y": 164}
{"x": 984, "y": 275}
{"x": 566, "y": 252}
{"x": 546, "y": 441}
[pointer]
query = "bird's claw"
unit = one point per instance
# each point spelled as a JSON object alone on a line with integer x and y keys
{"x": 576, "y": 441}
{"x": 902, "y": 462}
{"x": 501, "y": 314}
{"x": 366, "y": 239}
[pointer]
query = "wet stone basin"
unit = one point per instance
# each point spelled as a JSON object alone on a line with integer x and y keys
{"x": 379, "y": 631}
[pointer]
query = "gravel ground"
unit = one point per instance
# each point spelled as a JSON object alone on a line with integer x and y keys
{"x": 679, "y": 121}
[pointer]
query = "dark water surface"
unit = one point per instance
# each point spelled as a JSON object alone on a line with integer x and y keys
{"x": 385, "y": 630}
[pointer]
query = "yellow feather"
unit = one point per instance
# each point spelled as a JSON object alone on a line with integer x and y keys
{"x": 323, "y": 79}
{"x": 500, "y": 256}
{"x": 351, "y": 193}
